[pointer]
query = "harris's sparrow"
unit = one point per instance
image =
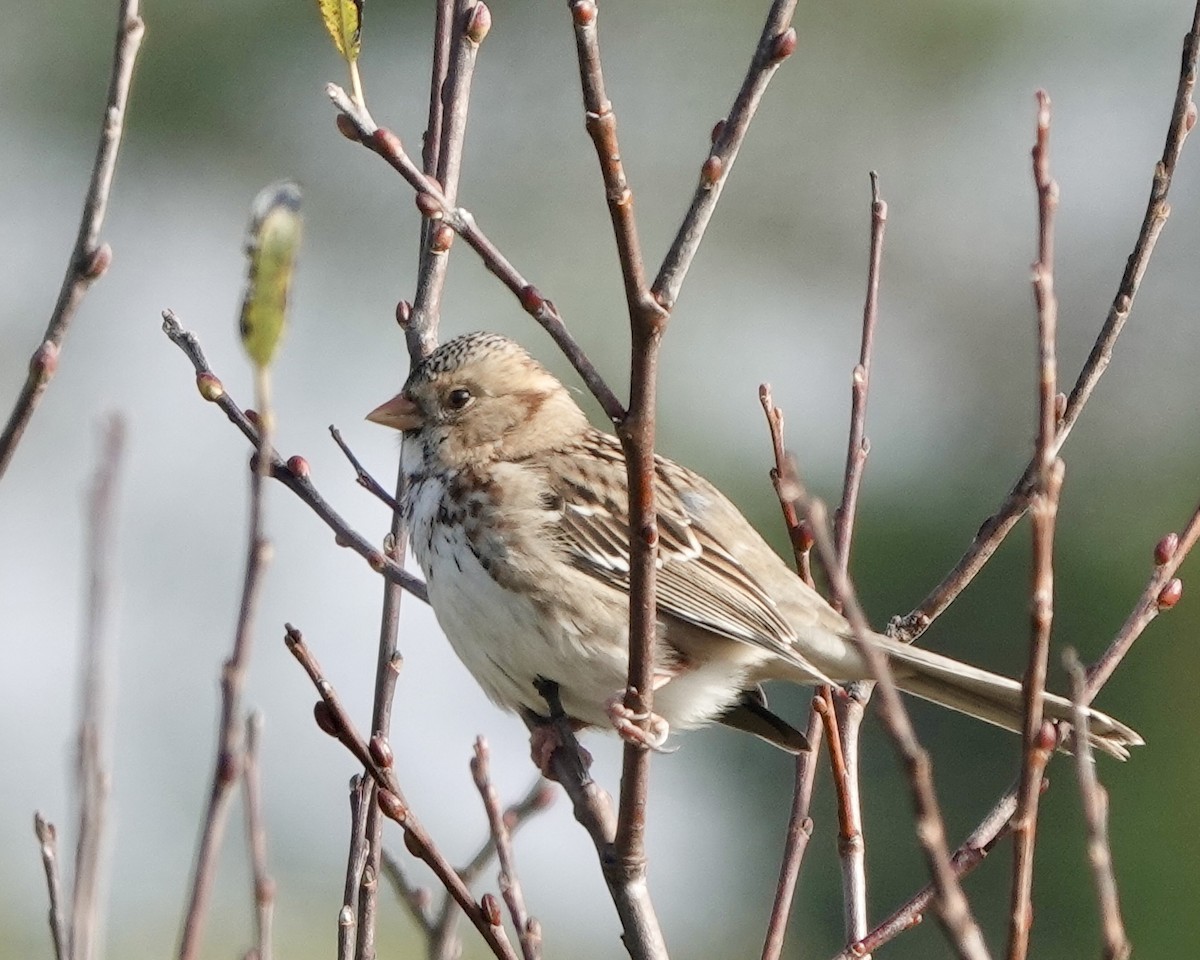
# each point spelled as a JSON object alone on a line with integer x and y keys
{"x": 517, "y": 514}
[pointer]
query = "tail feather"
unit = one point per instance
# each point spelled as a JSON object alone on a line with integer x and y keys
{"x": 991, "y": 697}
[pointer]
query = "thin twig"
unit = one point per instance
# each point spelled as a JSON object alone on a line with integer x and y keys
{"x": 441, "y": 932}
{"x": 431, "y": 140}
{"x": 432, "y": 203}
{"x": 795, "y": 843}
{"x": 465, "y": 26}
{"x": 415, "y": 898}
{"x": 362, "y": 798}
{"x": 1161, "y": 593}
{"x": 230, "y": 752}
{"x": 510, "y": 885}
{"x": 776, "y": 44}
{"x": 89, "y": 258}
{"x": 996, "y": 527}
{"x": 93, "y": 774}
{"x": 858, "y": 446}
{"x": 294, "y": 473}
{"x": 1095, "y": 816}
{"x": 47, "y": 837}
{"x": 800, "y": 824}
{"x": 336, "y": 721}
{"x": 991, "y": 830}
{"x": 256, "y": 836}
{"x": 850, "y": 710}
{"x": 798, "y": 533}
{"x": 950, "y": 903}
{"x": 1038, "y": 743}
{"x": 361, "y": 475}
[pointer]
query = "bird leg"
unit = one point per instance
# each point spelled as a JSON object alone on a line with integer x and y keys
{"x": 626, "y": 721}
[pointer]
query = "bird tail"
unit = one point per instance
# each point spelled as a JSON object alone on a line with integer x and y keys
{"x": 992, "y": 698}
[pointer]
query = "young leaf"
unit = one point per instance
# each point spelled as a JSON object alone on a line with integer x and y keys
{"x": 343, "y": 20}
{"x": 271, "y": 244}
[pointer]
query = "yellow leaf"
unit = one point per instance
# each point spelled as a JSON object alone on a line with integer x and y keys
{"x": 343, "y": 20}
{"x": 271, "y": 244}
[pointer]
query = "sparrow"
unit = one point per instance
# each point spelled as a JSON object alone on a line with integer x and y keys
{"x": 517, "y": 514}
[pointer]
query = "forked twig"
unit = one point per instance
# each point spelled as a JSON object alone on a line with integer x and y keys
{"x": 294, "y": 473}
{"x": 376, "y": 759}
{"x": 528, "y": 929}
{"x": 950, "y": 902}
{"x": 90, "y": 258}
{"x": 361, "y": 475}
{"x": 997, "y": 526}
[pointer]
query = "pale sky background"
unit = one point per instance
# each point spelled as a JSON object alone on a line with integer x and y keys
{"x": 936, "y": 96}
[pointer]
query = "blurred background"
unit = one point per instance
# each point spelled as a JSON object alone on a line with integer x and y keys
{"x": 935, "y": 95}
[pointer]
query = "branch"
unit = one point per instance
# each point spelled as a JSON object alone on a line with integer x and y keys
{"x": 256, "y": 835}
{"x": 1038, "y": 741}
{"x": 89, "y": 258}
{"x": 362, "y": 798}
{"x": 776, "y": 44}
{"x": 230, "y": 754}
{"x": 1161, "y": 593}
{"x": 376, "y": 759}
{"x": 798, "y": 533}
{"x": 93, "y": 773}
{"x": 47, "y": 837}
{"x": 996, "y": 527}
{"x": 528, "y": 929}
{"x": 294, "y": 473}
{"x": 950, "y": 901}
{"x": 1095, "y": 815}
{"x": 858, "y": 447}
{"x": 432, "y": 203}
{"x": 361, "y": 475}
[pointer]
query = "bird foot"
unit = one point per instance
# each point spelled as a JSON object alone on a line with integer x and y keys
{"x": 626, "y": 722}
{"x": 544, "y": 739}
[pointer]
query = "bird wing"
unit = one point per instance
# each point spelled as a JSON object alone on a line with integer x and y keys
{"x": 699, "y": 581}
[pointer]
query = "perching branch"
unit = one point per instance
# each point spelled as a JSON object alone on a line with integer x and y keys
{"x": 90, "y": 258}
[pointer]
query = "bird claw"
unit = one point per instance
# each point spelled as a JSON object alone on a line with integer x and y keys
{"x": 626, "y": 722}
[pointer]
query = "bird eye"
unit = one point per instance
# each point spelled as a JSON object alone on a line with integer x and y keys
{"x": 458, "y": 398}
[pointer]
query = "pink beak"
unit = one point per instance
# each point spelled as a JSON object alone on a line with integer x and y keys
{"x": 399, "y": 413}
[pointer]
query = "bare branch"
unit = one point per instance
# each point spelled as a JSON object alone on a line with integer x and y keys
{"x": 950, "y": 902}
{"x": 230, "y": 753}
{"x": 432, "y": 202}
{"x": 47, "y": 837}
{"x": 362, "y": 798}
{"x": 89, "y": 258}
{"x": 256, "y": 835}
{"x": 996, "y": 527}
{"x": 798, "y": 533}
{"x": 776, "y": 44}
{"x": 361, "y": 475}
{"x": 510, "y": 886}
{"x": 334, "y": 720}
{"x": 858, "y": 447}
{"x": 93, "y": 774}
{"x": 294, "y": 473}
{"x": 1038, "y": 740}
{"x": 1095, "y": 815}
